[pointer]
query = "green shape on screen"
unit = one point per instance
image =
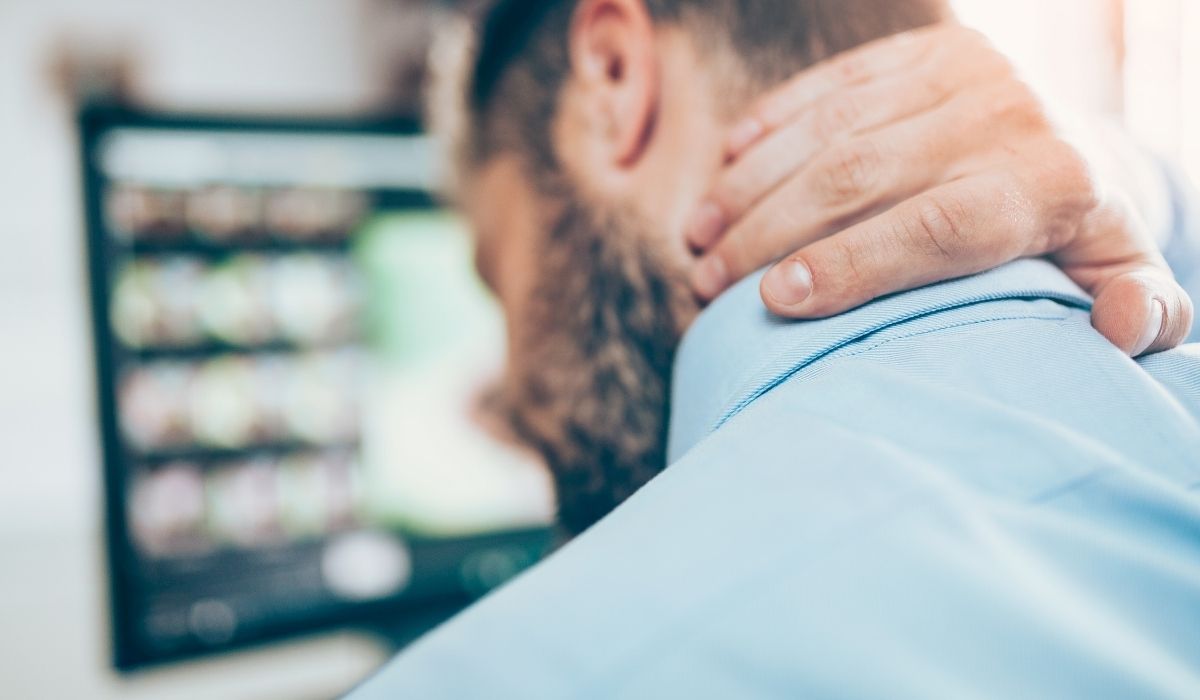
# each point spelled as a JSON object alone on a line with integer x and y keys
{"x": 423, "y": 295}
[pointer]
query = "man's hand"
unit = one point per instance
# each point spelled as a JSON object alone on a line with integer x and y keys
{"x": 913, "y": 160}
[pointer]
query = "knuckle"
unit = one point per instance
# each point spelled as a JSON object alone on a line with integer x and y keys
{"x": 733, "y": 191}
{"x": 1068, "y": 193}
{"x": 848, "y": 173}
{"x": 974, "y": 38}
{"x": 995, "y": 62}
{"x": 966, "y": 43}
{"x": 1028, "y": 232}
{"x": 851, "y": 69}
{"x": 835, "y": 117}
{"x": 1017, "y": 103}
{"x": 1077, "y": 177}
{"x": 935, "y": 85}
{"x": 845, "y": 259}
{"x": 988, "y": 66}
{"x": 779, "y": 106}
{"x": 936, "y": 229}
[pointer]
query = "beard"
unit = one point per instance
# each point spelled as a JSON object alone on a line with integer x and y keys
{"x": 589, "y": 377}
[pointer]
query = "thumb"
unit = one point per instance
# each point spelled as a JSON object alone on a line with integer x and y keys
{"x": 1142, "y": 310}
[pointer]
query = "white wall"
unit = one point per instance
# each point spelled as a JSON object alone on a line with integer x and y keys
{"x": 1069, "y": 48}
{"x": 272, "y": 55}
{"x": 1065, "y": 47}
{"x": 1162, "y": 80}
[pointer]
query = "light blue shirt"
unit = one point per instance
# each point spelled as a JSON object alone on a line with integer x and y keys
{"x": 961, "y": 491}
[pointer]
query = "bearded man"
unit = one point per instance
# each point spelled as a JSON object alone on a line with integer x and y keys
{"x": 962, "y": 489}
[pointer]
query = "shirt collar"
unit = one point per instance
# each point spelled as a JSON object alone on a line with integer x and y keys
{"x": 736, "y": 350}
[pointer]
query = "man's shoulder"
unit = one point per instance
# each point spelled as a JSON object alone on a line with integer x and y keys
{"x": 1014, "y": 341}
{"x": 829, "y": 518}
{"x": 1178, "y": 371}
{"x": 1014, "y": 399}
{"x": 849, "y": 482}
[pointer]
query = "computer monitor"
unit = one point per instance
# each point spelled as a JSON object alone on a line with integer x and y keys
{"x": 290, "y": 349}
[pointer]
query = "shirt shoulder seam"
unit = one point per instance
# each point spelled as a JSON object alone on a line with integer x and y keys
{"x": 783, "y": 378}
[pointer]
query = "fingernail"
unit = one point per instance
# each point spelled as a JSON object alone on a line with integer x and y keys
{"x": 742, "y": 135}
{"x": 705, "y": 226}
{"x": 711, "y": 277}
{"x": 789, "y": 283}
{"x": 1156, "y": 318}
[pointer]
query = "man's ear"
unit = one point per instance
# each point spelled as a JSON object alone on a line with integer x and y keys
{"x": 614, "y": 66}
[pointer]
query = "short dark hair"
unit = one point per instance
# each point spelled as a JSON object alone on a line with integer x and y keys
{"x": 521, "y": 60}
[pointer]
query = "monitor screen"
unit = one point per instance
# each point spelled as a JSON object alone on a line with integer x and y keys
{"x": 292, "y": 352}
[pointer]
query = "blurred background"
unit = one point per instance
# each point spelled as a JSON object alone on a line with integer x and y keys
{"x": 243, "y": 346}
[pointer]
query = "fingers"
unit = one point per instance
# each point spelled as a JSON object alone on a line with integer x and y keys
{"x": 791, "y": 147}
{"x": 885, "y": 57}
{"x": 844, "y": 185}
{"x": 1143, "y": 310}
{"x": 955, "y": 230}
{"x": 963, "y": 228}
{"x": 1138, "y": 306}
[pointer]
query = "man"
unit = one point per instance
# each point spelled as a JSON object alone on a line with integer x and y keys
{"x": 962, "y": 490}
